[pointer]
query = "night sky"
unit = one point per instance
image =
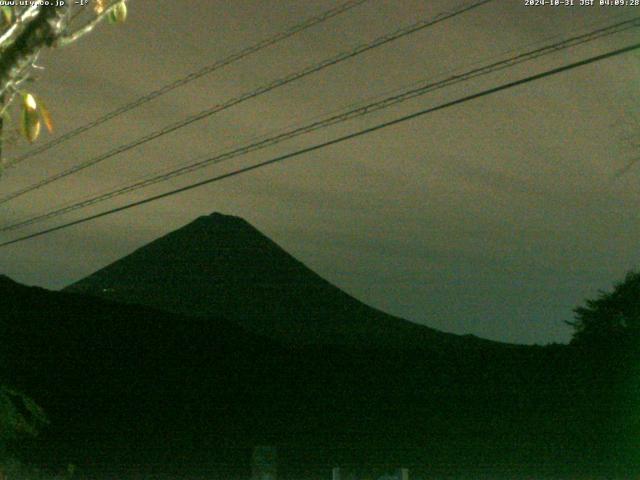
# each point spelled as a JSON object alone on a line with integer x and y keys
{"x": 496, "y": 217}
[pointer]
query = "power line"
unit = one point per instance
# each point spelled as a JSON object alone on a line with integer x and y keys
{"x": 335, "y": 141}
{"x": 234, "y": 57}
{"x": 380, "y": 41}
{"x": 349, "y": 114}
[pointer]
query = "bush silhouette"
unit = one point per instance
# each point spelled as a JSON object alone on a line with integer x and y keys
{"x": 612, "y": 319}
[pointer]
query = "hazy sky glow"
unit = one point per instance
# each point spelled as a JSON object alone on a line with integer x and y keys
{"x": 495, "y": 217}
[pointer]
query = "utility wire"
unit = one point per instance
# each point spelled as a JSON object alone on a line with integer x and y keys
{"x": 335, "y": 141}
{"x": 380, "y": 41}
{"x": 234, "y": 57}
{"x": 334, "y": 119}
{"x": 353, "y": 105}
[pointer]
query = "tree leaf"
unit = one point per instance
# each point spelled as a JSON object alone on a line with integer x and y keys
{"x": 30, "y": 121}
{"x": 98, "y": 6}
{"x": 46, "y": 115}
{"x": 29, "y": 102}
{"x": 118, "y": 13}
{"x": 7, "y": 15}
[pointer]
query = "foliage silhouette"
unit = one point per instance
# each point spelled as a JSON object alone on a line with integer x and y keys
{"x": 19, "y": 416}
{"x": 612, "y": 319}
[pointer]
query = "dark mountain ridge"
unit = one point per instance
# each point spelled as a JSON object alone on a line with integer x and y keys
{"x": 221, "y": 265}
{"x": 129, "y": 385}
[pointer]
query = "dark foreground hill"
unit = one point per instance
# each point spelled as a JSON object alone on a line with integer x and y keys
{"x": 221, "y": 265}
{"x": 130, "y": 388}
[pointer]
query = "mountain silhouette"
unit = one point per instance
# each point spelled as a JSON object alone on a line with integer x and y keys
{"x": 221, "y": 265}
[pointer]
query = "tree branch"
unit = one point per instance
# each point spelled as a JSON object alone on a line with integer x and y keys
{"x": 68, "y": 38}
{"x": 41, "y": 32}
{"x": 25, "y": 16}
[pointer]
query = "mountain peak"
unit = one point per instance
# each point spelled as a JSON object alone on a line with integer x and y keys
{"x": 218, "y": 217}
{"x": 219, "y": 221}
